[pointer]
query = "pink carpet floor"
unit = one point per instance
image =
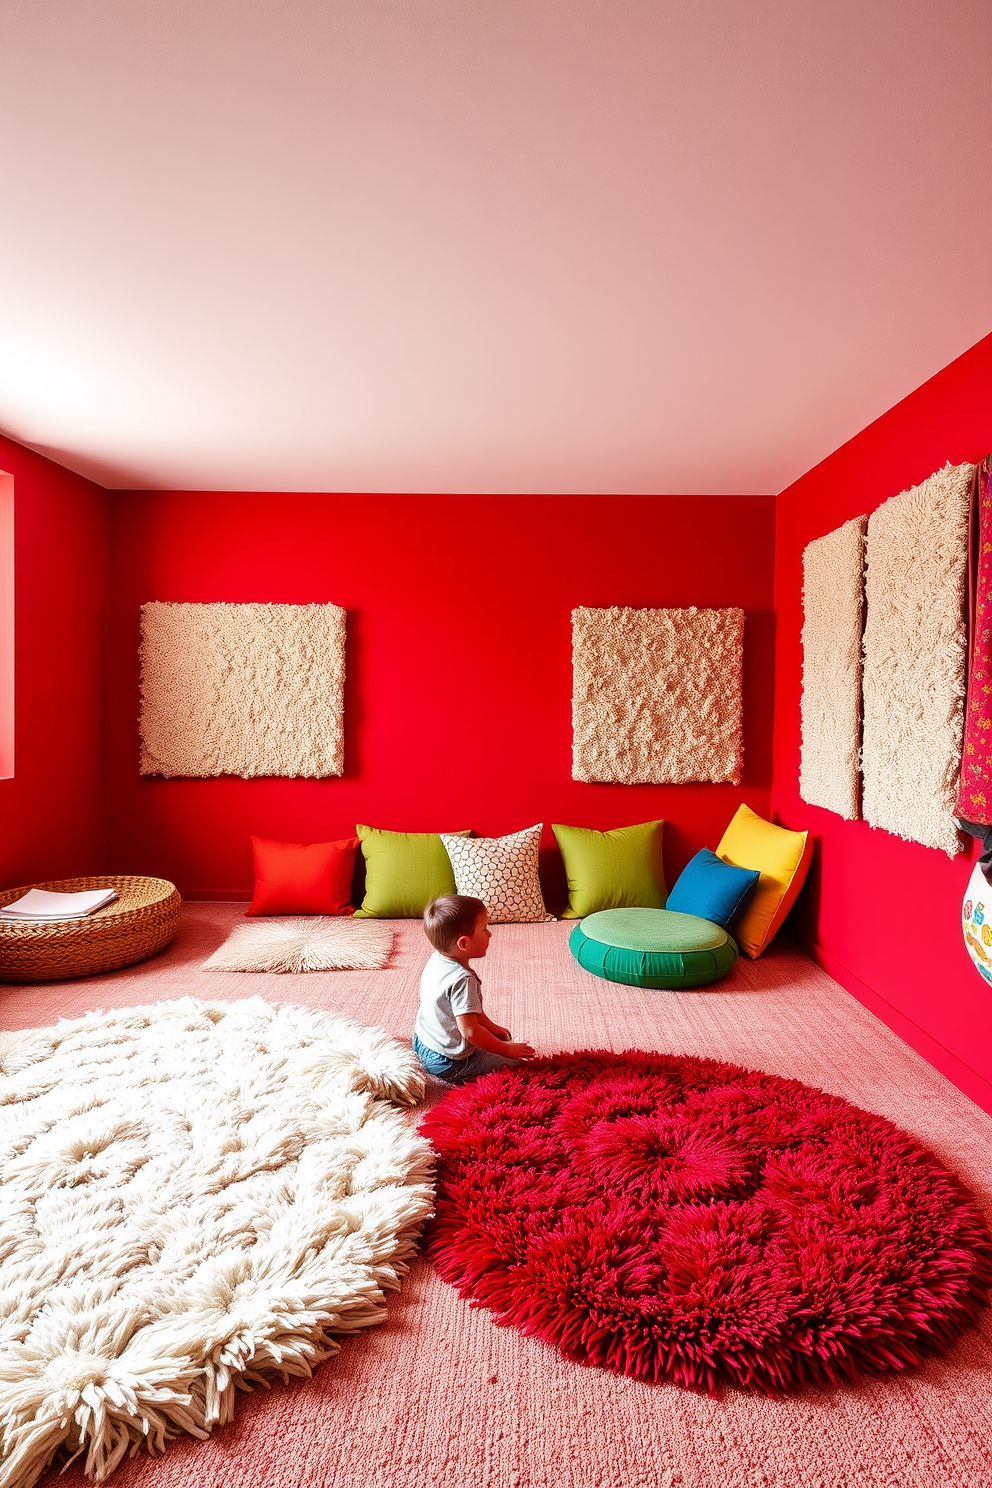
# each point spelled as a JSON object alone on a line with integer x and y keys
{"x": 440, "y": 1395}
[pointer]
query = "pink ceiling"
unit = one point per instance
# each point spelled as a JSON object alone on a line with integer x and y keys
{"x": 484, "y": 245}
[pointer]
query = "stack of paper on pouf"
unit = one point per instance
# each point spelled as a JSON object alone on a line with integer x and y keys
{"x": 40, "y": 905}
{"x": 53, "y": 932}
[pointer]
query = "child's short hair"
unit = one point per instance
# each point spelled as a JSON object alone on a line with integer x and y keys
{"x": 447, "y": 918}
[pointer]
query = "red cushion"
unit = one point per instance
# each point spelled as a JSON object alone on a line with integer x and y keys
{"x": 303, "y": 878}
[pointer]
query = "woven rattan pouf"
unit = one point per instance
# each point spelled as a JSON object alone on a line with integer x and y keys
{"x": 141, "y": 921}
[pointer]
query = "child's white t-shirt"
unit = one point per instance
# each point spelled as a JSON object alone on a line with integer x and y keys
{"x": 447, "y": 989}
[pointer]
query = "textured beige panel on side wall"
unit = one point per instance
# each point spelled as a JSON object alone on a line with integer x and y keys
{"x": 242, "y": 689}
{"x": 915, "y": 655}
{"x": 833, "y": 616}
{"x": 656, "y": 695}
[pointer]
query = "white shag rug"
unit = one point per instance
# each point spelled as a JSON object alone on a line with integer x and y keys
{"x": 317, "y": 943}
{"x": 833, "y": 619}
{"x": 195, "y": 1196}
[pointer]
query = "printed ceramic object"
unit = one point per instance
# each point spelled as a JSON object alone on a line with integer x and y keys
{"x": 977, "y": 922}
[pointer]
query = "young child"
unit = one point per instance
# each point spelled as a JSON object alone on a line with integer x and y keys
{"x": 452, "y": 1037}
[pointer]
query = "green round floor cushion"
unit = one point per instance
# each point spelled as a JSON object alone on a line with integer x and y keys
{"x": 652, "y": 948}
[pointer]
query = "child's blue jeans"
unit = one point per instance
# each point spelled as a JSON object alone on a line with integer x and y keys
{"x": 457, "y": 1071}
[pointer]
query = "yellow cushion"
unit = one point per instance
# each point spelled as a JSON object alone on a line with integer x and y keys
{"x": 781, "y": 857}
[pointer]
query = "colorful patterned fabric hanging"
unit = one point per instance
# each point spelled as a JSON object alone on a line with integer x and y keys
{"x": 975, "y": 788}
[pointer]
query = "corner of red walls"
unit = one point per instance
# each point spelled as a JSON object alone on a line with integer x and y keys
{"x": 54, "y": 807}
{"x": 879, "y": 911}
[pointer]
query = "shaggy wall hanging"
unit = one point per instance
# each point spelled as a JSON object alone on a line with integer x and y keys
{"x": 915, "y": 650}
{"x": 656, "y": 695}
{"x": 195, "y": 1196}
{"x": 242, "y": 689}
{"x": 313, "y": 943}
{"x": 974, "y": 801}
{"x": 673, "y": 1217}
{"x": 833, "y": 614}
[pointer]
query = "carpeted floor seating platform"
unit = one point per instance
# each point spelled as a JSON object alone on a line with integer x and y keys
{"x": 439, "y": 1393}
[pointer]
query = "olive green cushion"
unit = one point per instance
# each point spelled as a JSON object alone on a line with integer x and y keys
{"x": 609, "y": 870}
{"x": 404, "y": 871}
{"x": 652, "y": 948}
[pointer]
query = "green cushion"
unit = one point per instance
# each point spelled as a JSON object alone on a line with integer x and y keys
{"x": 611, "y": 870}
{"x": 404, "y": 871}
{"x": 652, "y": 948}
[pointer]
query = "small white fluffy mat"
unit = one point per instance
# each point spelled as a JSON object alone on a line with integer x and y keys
{"x": 193, "y": 1196}
{"x": 316, "y": 943}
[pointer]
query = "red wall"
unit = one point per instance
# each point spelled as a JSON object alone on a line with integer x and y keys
{"x": 883, "y": 915}
{"x": 458, "y": 693}
{"x": 458, "y": 696}
{"x": 52, "y": 813}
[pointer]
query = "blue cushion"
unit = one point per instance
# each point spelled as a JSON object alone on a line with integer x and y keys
{"x": 712, "y": 889}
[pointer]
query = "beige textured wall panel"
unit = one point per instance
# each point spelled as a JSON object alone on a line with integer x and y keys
{"x": 242, "y": 689}
{"x": 833, "y": 615}
{"x": 656, "y": 695}
{"x": 915, "y": 655}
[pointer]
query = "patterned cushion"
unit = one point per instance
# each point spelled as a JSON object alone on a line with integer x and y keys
{"x": 978, "y": 922}
{"x": 502, "y": 872}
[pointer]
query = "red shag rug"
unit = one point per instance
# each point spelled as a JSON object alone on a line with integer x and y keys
{"x": 668, "y": 1216}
